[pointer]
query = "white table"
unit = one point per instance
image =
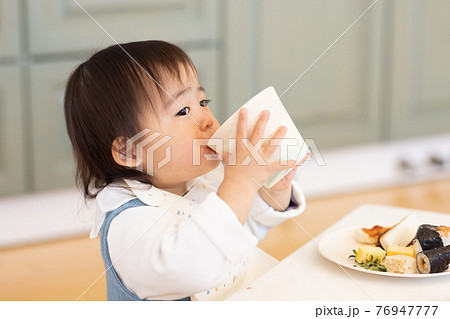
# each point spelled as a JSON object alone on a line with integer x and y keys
{"x": 307, "y": 275}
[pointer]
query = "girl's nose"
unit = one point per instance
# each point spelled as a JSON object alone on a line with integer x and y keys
{"x": 207, "y": 122}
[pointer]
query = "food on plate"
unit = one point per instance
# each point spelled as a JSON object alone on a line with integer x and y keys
{"x": 401, "y": 234}
{"x": 433, "y": 260}
{"x": 408, "y": 247}
{"x": 400, "y": 250}
{"x": 430, "y": 237}
{"x": 400, "y": 264}
{"x": 366, "y": 252}
{"x": 369, "y": 257}
{"x": 370, "y": 235}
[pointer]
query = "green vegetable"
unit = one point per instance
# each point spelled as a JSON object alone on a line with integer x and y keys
{"x": 355, "y": 253}
{"x": 370, "y": 263}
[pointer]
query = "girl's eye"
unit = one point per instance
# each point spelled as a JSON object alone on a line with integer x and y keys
{"x": 185, "y": 110}
{"x": 204, "y": 103}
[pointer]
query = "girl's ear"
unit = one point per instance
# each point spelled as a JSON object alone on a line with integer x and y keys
{"x": 124, "y": 153}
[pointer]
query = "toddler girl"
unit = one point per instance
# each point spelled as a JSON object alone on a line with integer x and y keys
{"x": 169, "y": 228}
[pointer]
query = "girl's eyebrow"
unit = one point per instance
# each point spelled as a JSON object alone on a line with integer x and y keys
{"x": 181, "y": 92}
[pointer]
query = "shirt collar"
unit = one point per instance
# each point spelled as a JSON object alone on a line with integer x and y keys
{"x": 124, "y": 190}
{"x": 149, "y": 194}
{"x": 118, "y": 193}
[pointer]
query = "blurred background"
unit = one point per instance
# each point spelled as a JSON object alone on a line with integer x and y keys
{"x": 376, "y": 106}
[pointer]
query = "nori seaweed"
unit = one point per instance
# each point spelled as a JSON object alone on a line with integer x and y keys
{"x": 439, "y": 258}
{"x": 429, "y": 237}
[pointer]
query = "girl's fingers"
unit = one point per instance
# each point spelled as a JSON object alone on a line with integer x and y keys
{"x": 241, "y": 132}
{"x": 270, "y": 147}
{"x": 260, "y": 127}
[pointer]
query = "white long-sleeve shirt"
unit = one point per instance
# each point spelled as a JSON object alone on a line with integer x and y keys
{"x": 178, "y": 246}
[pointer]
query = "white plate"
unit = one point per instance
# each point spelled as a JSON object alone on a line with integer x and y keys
{"x": 338, "y": 245}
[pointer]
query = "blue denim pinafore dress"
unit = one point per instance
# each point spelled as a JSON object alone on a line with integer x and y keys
{"x": 115, "y": 289}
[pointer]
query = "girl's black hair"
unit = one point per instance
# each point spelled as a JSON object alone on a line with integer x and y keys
{"x": 108, "y": 96}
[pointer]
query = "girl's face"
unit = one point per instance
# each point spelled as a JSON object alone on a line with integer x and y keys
{"x": 188, "y": 119}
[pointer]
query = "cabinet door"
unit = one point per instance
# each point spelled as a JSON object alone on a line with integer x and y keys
{"x": 61, "y": 25}
{"x": 53, "y": 161}
{"x": 12, "y": 165}
{"x": 9, "y": 28}
{"x": 421, "y": 68}
{"x": 339, "y": 94}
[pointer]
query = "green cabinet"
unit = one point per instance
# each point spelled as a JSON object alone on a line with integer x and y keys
{"x": 386, "y": 78}
{"x": 420, "y": 73}
{"x": 41, "y": 42}
{"x": 12, "y": 149}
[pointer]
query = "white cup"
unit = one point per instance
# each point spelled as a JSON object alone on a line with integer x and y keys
{"x": 292, "y": 146}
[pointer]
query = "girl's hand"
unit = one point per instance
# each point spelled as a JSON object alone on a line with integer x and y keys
{"x": 285, "y": 182}
{"x": 253, "y": 174}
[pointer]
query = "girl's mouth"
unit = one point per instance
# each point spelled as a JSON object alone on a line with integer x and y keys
{"x": 210, "y": 150}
